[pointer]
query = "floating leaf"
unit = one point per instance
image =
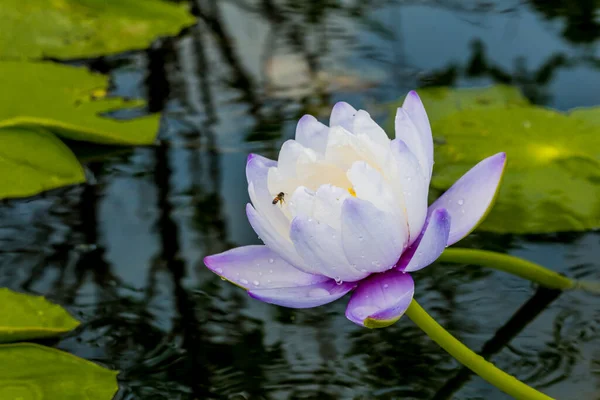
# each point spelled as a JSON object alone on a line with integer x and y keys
{"x": 29, "y": 317}
{"x": 68, "y": 101}
{"x": 30, "y": 371}
{"x": 552, "y": 180}
{"x": 67, "y": 29}
{"x": 34, "y": 160}
{"x": 590, "y": 114}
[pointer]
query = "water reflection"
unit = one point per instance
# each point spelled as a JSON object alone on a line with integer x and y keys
{"x": 124, "y": 253}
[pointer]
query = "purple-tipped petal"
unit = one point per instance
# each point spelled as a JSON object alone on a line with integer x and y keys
{"x": 342, "y": 114}
{"x": 407, "y": 131}
{"x": 381, "y": 299}
{"x": 411, "y": 186}
{"x": 304, "y": 296}
{"x": 470, "y": 198}
{"x": 255, "y": 267}
{"x": 429, "y": 245}
{"x": 415, "y": 109}
{"x": 372, "y": 239}
{"x": 312, "y": 134}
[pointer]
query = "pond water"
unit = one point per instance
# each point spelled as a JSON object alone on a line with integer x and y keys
{"x": 124, "y": 252}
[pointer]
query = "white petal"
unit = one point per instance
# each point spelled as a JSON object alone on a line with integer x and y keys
{"x": 415, "y": 109}
{"x": 319, "y": 173}
{"x": 257, "y": 170}
{"x": 364, "y": 124}
{"x": 409, "y": 134}
{"x": 321, "y": 247}
{"x": 278, "y": 243}
{"x": 411, "y": 185}
{"x": 328, "y": 205}
{"x": 345, "y": 148}
{"x": 302, "y": 202}
{"x": 312, "y": 134}
{"x": 290, "y": 155}
{"x": 342, "y": 115}
{"x": 371, "y": 238}
{"x": 369, "y": 184}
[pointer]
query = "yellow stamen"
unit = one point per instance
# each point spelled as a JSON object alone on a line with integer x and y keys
{"x": 352, "y": 192}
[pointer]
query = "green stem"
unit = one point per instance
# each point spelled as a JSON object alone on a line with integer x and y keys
{"x": 485, "y": 369}
{"x": 513, "y": 265}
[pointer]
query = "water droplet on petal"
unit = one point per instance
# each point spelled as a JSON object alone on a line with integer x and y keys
{"x": 219, "y": 270}
{"x": 268, "y": 281}
{"x": 460, "y": 202}
{"x": 338, "y": 280}
{"x": 385, "y": 286}
{"x": 271, "y": 261}
{"x": 270, "y": 271}
{"x": 256, "y": 283}
{"x": 243, "y": 281}
{"x": 318, "y": 292}
{"x": 363, "y": 270}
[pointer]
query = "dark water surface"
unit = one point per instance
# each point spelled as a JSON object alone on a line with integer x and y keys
{"x": 124, "y": 253}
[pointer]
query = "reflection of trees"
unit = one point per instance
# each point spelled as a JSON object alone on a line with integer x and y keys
{"x": 533, "y": 83}
{"x": 580, "y": 17}
{"x": 528, "y": 311}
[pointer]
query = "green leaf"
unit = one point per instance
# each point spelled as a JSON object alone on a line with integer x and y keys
{"x": 67, "y": 29}
{"x": 30, "y": 317}
{"x": 30, "y": 371}
{"x": 68, "y": 101}
{"x": 34, "y": 160}
{"x": 552, "y": 179}
{"x": 590, "y": 114}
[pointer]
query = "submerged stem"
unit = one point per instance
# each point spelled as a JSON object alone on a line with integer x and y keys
{"x": 513, "y": 265}
{"x": 485, "y": 369}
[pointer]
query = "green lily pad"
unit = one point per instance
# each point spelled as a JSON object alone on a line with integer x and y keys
{"x": 29, "y": 371}
{"x": 552, "y": 179}
{"x": 590, "y": 114}
{"x": 67, "y": 29}
{"x": 34, "y": 160}
{"x": 30, "y": 317}
{"x": 70, "y": 102}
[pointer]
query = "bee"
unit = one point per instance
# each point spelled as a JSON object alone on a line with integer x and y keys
{"x": 279, "y": 198}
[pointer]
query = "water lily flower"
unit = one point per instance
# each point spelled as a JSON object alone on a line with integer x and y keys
{"x": 353, "y": 214}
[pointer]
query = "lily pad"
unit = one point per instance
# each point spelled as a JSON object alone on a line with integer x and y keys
{"x": 590, "y": 114}
{"x": 29, "y": 371}
{"x": 32, "y": 161}
{"x": 70, "y": 102}
{"x": 552, "y": 180}
{"x": 30, "y": 317}
{"x": 68, "y": 29}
